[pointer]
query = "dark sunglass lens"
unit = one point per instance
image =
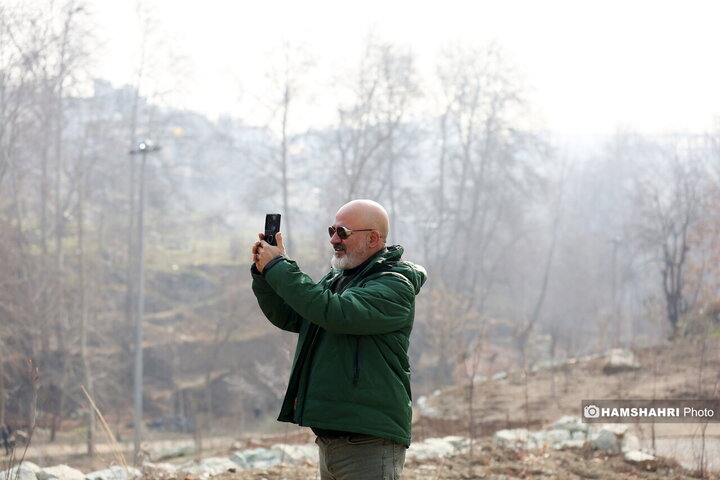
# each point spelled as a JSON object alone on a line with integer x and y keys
{"x": 342, "y": 232}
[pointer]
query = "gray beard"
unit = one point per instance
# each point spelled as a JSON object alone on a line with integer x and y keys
{"x": 349, "y": 260}
{"x": 342, "y": 263}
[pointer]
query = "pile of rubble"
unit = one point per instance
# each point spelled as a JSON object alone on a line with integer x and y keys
{"x": 208, "y": 467}
{"x": 568, "y": 432}
{"x": 571, "y": 432}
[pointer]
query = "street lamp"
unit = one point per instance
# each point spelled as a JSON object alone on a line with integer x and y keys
{"x": 143, "y": 148}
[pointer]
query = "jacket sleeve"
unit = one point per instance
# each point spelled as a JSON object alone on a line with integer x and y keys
{"x": 381, "y": 305}
{"x": 275, "y": 309}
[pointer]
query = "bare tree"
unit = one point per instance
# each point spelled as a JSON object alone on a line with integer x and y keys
{"x": 669, "y": 201}
{"x": 372, "y": 136}
{"x": 486, "y": 171}
{"x": 288, "y": 80}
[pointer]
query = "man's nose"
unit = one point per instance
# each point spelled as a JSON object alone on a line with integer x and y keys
{"x": 335, "y": 239}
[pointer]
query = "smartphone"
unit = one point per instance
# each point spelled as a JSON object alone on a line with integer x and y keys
{"x": 272, "y": 227}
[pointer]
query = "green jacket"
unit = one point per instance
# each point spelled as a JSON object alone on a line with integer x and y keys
{"x": 351, "y": 370}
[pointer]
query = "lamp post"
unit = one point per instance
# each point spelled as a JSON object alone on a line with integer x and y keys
{"x": 143, "y": 148}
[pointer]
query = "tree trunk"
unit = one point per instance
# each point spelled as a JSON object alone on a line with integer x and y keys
{"x": 87, "y": 369}
{"x": 287, "y": 240}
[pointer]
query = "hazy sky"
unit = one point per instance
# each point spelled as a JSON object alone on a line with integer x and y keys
{"x": 593, "y": 66}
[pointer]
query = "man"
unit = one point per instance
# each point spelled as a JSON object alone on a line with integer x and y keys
{"x": 350, "y": 379}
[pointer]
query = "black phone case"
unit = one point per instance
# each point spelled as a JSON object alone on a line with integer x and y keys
{"x": 272, "y": 227}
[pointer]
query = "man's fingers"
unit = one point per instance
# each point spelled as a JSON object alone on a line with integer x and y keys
{"x": 279, "y": 239}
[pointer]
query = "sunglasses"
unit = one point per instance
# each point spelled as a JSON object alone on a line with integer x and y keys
{"x": 344, "y": 232}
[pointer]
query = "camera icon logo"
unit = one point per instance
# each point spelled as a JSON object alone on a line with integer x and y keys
{"x": 591, "y": 411}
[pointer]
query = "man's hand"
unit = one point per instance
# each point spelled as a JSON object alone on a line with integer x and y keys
{"x": 263, "y": 252}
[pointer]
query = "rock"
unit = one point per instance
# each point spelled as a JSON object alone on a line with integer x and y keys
{"x": 256, "y": 458}
{"x": 642, "y": 459}
{"x": 294, "y": 454}
{"x": 545, "y": 365}
{"x": 605, "y": 441}
{"x": 24, "y": 473}
{"x": 238, "y": 458}
{"x": 574, "y": 443}
{"x": 500, "y": 376}
{"x": 618, "y": 429}
{"x": 30, "y": 466}
{"x": 425, "y": 409}
{"x": 114, "y": 473}
{"x": 175, "y": 452}
{"x": 217, "y": 465}
{"x": 193, "y": 470}
{"x": 61, "y": 472}
{"x": 630, "y": 443}
{"x": 207, "y": 467}
{"x": 571, "y": 424}
{"x": 438, "y": 447}
{"x": 159, "y": 470}
{"x": 567, "y": 432}
{"x": 551, "y": 438}
{"x": 512, "y": 438}
{"x": 620, "y": 360}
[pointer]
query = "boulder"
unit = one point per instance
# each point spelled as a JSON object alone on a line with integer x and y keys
{"x": 294, "y": 454}
{"x": 619, "y": 429}
{"x": 256, "y": 458}
{"x": 173, "y": 452}
{"x": 207, "y": 467}
{"x": 114, "y": 473}
{"x": 238, "y": 458}
{"x": 554, "y": 438}
{"x": 159, "y": 470}
{"x": 425, "y": 409}
{"x": 438, "y": 447}
{"x": 60, "y": 472}
{"x": 605, "y": 441}
{"x": 642, "y": 459}
{"x": 500, "y": 376}
{"x": 630, "y": 443}
{"x": 512, "y": 438}
{"x": 571, "y": 424}
{"x": 620, "y": 360}
{"x": 18, "y": 473}
{"x": 218, "y": 464}
{"x": 30, "y": 466}
{"x": 567, "y": 432}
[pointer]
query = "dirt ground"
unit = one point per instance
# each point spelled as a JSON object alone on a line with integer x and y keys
{"x": 491, "y": 462}
{"x": 534, "y": 400}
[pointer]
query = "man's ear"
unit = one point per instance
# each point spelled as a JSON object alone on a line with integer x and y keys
{"x": 374, "y": 239}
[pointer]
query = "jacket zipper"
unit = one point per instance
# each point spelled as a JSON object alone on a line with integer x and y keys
{"x": 356, "y": 377}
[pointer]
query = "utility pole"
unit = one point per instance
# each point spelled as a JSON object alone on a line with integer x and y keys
{"x": 143, "y": 148}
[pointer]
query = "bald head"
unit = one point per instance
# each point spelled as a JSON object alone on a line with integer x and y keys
{"x": 367, "y": 214}
{"x": 370, "y": 220}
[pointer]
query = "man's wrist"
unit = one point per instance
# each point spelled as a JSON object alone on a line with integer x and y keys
{"x": 275, "y": 260}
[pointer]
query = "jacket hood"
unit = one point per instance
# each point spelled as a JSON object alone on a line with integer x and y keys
{"x": 392, "y": 254}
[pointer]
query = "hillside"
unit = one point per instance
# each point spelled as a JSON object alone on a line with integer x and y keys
{"x": 678, "y": 370}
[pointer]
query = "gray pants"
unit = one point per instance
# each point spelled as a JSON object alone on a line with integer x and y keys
{"x": 360, "y": 457}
